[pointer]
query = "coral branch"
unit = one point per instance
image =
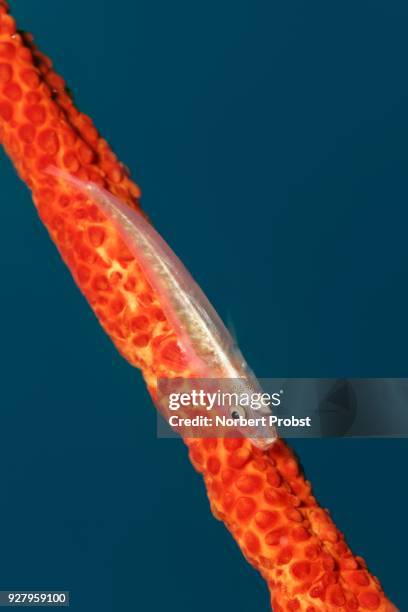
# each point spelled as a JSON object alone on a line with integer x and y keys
{"x": 262, "y": 497}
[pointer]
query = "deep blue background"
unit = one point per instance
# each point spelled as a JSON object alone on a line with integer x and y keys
{"x": 270, "y": 140}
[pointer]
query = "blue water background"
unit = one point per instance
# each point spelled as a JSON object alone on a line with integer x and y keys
{"x": 271, "y": 143}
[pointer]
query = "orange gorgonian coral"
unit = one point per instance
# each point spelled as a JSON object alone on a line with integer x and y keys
{"x": 261, "y": 496}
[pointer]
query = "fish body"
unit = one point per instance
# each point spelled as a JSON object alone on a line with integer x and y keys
{"x": 205, "y": 341}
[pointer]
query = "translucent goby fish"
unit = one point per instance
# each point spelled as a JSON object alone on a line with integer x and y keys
{"x": 204, "y": 339}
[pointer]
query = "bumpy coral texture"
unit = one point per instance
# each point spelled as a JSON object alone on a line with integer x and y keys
{"x": 262, "y": 497}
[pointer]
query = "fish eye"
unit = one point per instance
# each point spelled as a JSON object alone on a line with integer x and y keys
{"x": 238, "y": 412}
